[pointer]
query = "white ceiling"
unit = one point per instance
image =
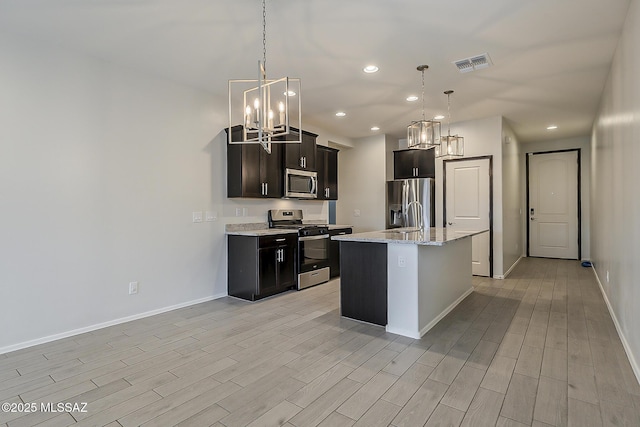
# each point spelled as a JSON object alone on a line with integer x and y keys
{"x": 551, "y": 57}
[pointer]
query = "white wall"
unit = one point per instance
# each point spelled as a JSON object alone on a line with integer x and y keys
{"x": 615, "y": 205}
{"x": 362, "y": 178}
{"x": 101, "y": 168}
{"x": 512, "y": 199}
{"x": 584, "y": 144}
{"x": 481, "y": 137}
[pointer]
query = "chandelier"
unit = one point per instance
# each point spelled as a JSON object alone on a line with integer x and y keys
{"x": 423, "y": 133}
{"x": 266, "y": 109}
{"x": 450, "y": 146}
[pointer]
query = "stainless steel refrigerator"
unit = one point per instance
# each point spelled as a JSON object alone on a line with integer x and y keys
{"x": 411, "y": 203}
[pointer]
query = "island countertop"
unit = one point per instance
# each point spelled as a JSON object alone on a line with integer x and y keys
{"x": 434, "y": 236}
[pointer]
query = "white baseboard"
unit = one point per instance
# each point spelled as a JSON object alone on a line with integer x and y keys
{"x": 97, "y": 326}
{"x": 445, "y": 312}
{"x": 504, "y": 276}
{"x": 625, "y": 343}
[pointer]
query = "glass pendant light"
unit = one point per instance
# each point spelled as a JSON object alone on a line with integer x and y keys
{"x": 423, "y": 133}
{"x": 265, "y": 108}
{"x": 450, "y": 146}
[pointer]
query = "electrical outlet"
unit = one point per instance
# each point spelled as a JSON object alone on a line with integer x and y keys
{"x": 197, "y": 216}
{"x": 402, "y": 261}
{"x": 356, "y": 212}
{"x": 211, "y": 216}
{"x": 245, "y": 211}
{"x": 238, "y": 211}
{"x": 133, "y": 288}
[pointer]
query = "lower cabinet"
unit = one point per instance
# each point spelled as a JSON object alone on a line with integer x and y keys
{"x": 334, "y": 251}
{"x": 261, "y": 266}
{"x": 363, "y": 282}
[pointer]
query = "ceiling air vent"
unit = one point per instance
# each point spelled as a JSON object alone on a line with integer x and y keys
{"x": 477, "y": 62}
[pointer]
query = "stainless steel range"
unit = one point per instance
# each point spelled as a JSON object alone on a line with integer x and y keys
{"x": 312, "y": 264}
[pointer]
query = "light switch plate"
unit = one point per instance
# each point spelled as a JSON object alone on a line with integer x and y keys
{"x": 356, "y": 212}
{"x": 197, "y": 216}
{"x": 211, "y": 216}
{"x": 238, "y": 211}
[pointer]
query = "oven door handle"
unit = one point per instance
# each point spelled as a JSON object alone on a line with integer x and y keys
{"x": 322, "y": 236}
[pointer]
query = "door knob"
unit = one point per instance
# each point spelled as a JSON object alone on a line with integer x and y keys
{"x": 450, "y": 223}
{"x": 532, "y": 218}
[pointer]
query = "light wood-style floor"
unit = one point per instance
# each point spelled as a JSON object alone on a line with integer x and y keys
{"x": 538, "y": 348}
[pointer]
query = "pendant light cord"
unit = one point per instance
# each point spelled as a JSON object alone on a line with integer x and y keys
{"x": 264, "y": 35}
{"x": 423, "y": 116}
{"x": 449, "y": 114}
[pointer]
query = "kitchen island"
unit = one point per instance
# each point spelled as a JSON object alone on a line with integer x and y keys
{"x": 404, "y": 279}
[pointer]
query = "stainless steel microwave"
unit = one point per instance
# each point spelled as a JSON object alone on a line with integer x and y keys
{"x": 299, "y": 184}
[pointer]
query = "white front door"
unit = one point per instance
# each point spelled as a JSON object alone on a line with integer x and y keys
{"x": 553, "y": 205}
{"x": 467, "y": 206}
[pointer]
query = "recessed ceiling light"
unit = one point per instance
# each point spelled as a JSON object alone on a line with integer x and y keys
{"x": 290, "y": 93}
{"x": 375, "y": 128}
{"x": 552, "y": 127}
{"x": 341, "y": 114}
{"x": 370, "y": 69}
{"x": 412, "y": 98}
{"x": 439, "y": 117}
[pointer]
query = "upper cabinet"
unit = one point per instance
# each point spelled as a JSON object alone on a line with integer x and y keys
{"x": 252, "y": 172}
{"x": 303, "y": 155}
{"x": 414, "y": 163}
{"x": 327, "y": 165}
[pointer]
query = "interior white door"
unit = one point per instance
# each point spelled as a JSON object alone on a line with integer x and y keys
{"x": 553, "y": 205}
{"x": 468, "y": 206}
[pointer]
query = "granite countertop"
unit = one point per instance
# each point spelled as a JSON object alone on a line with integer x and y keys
{"x": 338, "y": 226}
{"x": 434, "y": 236}
{"x": 261, "y": 232}
{"x": 262, "y": 229}
{"x": 255, "y": 229}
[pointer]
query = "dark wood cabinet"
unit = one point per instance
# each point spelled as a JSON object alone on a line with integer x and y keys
{"x": 252, "y": 172}
{"x": 327, "y": 166}
{"x": 261, "y": 266}
{"x": 334, "y": 251}
{"x": 414, "y": 163}
{"x": 302, "y": 155}
{"x": 363, "y": 281}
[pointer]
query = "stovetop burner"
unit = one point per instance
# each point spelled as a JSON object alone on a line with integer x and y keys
{"x": 292, "y": 220}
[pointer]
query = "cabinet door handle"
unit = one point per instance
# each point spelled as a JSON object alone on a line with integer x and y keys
{"x": 281, "y": 240}
{"x": 266, "y": 188}
{"x": 301, "y": 161}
